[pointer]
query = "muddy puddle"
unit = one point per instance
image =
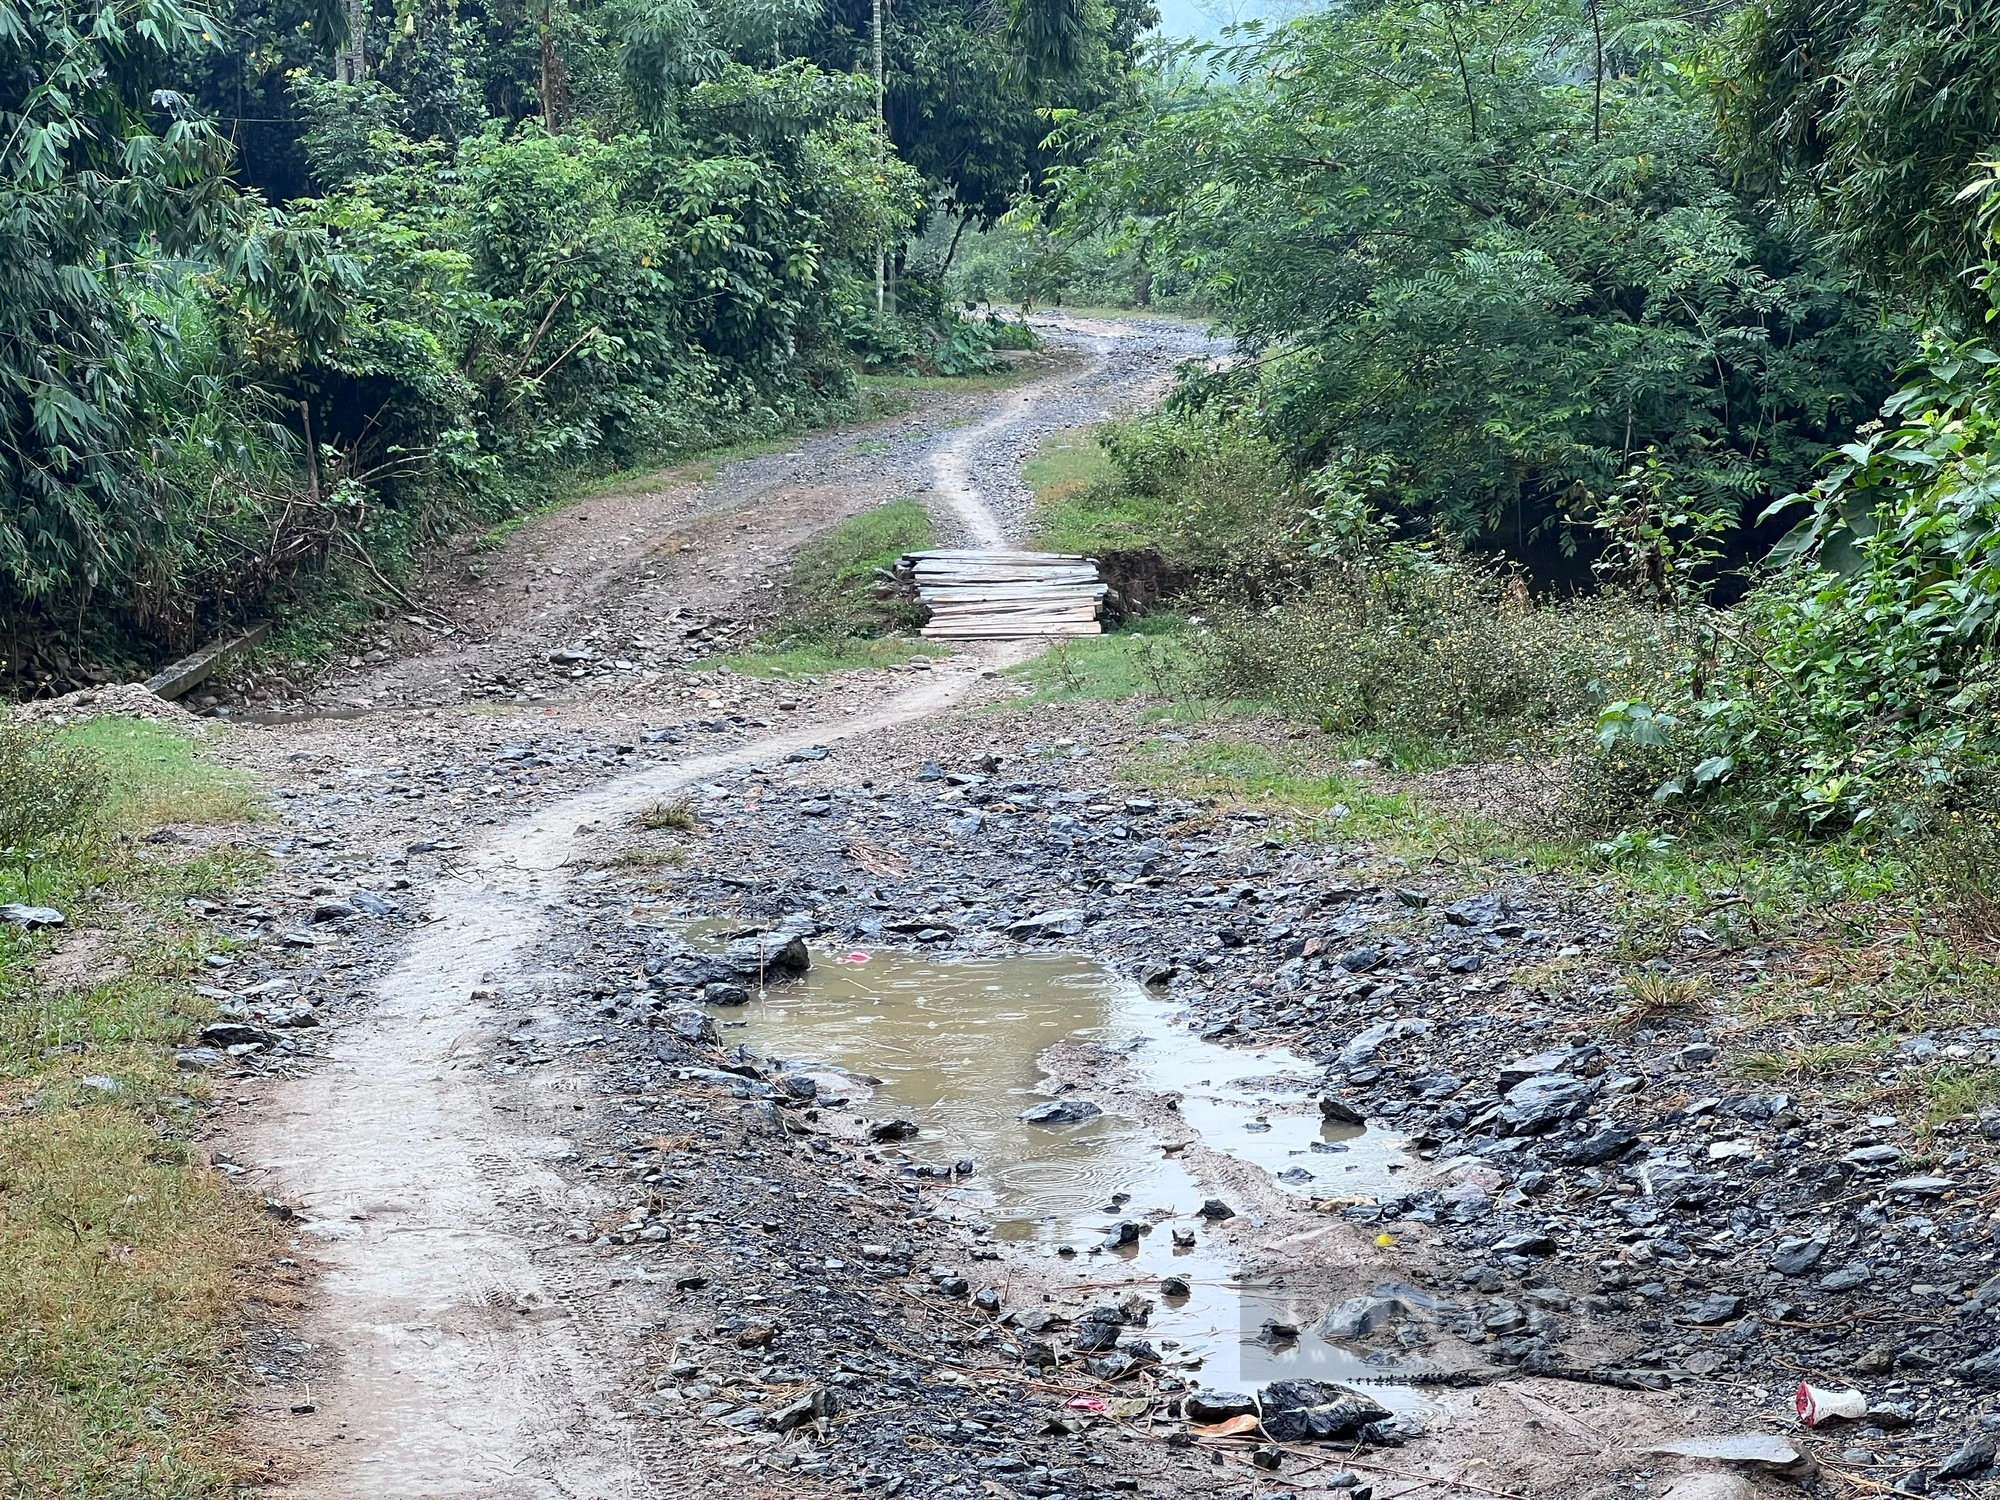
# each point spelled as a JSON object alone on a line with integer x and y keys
{"x": 959, "y": 1047}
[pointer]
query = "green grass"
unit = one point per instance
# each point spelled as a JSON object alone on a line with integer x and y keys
{"x": 1066, "y": 465}
{"x": 1141, "y": 659}
{"x": 834, "y": 621}
{"x": 831, "y": 569}
{"x": 159, "y": 776}
{"x": 1081, "y": 514}
{"x": 1305, "y": 794}
{"x": 122, "y": 1257}
{"x": 809, "y": 659}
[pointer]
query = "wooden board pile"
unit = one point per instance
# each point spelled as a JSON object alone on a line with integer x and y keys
{"x": 999, "y": 595}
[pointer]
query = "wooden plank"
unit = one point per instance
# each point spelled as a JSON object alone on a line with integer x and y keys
{"x": 1007, "y": 633}
{"x": 975, "y": 595}
{"x": 999, "y": 555}
{"x": 192, "y": 671}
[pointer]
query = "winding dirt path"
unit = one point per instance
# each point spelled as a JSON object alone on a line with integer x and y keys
{"x": 456, "y": 1354}
{"x": 467, "y": 1358}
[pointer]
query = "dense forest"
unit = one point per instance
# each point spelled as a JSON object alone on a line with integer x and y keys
{"x": 1624, "y": 370}
{"x": 291, "y": 283}
{"x": 1683, "y": 312}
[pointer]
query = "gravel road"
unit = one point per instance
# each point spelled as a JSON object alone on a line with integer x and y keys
{"x": 564, "y": 1234}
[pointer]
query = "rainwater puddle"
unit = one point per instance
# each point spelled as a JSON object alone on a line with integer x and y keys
{"x": 956, "y": 1046}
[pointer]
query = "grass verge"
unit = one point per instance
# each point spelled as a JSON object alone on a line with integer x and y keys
{"x": 841, "y": 612}
{"x": 122, "y": 1255}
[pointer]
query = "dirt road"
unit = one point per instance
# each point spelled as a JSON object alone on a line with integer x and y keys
{"x": 567, "y": 1235}
{"x": 458, "y": 1348}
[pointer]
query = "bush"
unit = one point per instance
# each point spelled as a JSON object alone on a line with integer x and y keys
{"x": 1858, "y": 681}
{"x": 52, "y": 796}
{"x": 1199, "y": 486}
{"x": 1424, "y": 647}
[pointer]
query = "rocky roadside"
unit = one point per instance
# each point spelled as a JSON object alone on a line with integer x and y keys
{"x": 1599, "y": 1194}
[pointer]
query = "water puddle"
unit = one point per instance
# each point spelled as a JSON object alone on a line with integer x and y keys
{"x": 958, "y": 1045}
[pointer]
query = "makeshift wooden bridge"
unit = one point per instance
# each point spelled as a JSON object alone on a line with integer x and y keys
{"x": 1002, "y": 595}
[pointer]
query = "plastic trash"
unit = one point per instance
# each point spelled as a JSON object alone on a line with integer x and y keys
{"x": 1817, "y": 1405}
{"x": 852, "y": 958}
{"x": 1088, "y": 1403}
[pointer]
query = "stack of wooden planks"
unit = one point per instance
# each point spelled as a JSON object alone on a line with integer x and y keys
{"x": 998, "y": 595}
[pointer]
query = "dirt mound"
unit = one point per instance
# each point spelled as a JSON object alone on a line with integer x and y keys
{"x": 121, "y": 700}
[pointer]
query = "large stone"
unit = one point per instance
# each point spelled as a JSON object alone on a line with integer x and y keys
{"x": 236, "y": 1034}
{"x": 1061, "y": 1112}
{"x": 1796, "y": 1257}
{"x": 693, "y": 1026}
{"x": 1974, "y": 1456}
{"x": 1545, "y": 1101}
{"x": 1340, "y": 1111}
{"x": 1217, "y": 1406}
{"x": 1757, "y": 1450}
{"x": 1604, "y": 1144}
{"x": 1311, "y": 1411}
{"x": 1521, "y": 1069}
{"x": 1066, "y": 923}
{"x": 1358, "y": 1317}
{"x": 770, "y": 954}
{"x": 1478, "y": 911}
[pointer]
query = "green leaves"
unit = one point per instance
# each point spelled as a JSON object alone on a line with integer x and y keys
{"x": 1453, "y": 241}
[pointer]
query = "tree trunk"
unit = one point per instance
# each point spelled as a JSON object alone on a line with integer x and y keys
{"x": 882, "y": 131}
{"x": 351, "y": 66}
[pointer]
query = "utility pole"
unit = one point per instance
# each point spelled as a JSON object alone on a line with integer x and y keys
{"x": 881, "y": 135}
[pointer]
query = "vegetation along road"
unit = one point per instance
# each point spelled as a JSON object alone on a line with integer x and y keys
{"x": 1466, "y": 969}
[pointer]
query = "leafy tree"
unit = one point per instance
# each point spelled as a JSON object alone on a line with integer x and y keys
{"x": 103, "y": 172}
{"x": 1875, "y": 115}
{"x": 1511, "y": 263}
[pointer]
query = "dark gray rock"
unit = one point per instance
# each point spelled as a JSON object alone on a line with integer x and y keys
{"x": 236, "y": 1034}
{"x": 1215, "y": 1210}
{"x": 693, "y": 1026}
{"x": 1360, "y": 1316}
{"x": 770, "y": 954}
{"x": 1796, "y": 1257}
{"x": 1974, "y": 1456}
{"x": 1527, "y": 1242}
{"x": 1521, "y": 1069}
{"x": 892, "y": 1130}
{"x": 1216, "y": 1406}
{"x": 1545, "y": 1101}
{"x": 1920, "y": 1187}
{"x": 1331, "y": 1108}
{"x": 1065, "y": 923}
{"x": 1719, "y": 1308}
{"x": 1061, "y": 1112}
{"x": 1605, "y": 1144}
{"x": 1311, "y": 1411}
{"x": 1478, "y": 911}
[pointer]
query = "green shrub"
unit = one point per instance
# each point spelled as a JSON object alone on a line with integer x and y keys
{"x": 53, "y": 795}
{"x": 1424, "y": 647}
{"x": 1201, "y": 487}
{"x": 1858, "y": 682}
